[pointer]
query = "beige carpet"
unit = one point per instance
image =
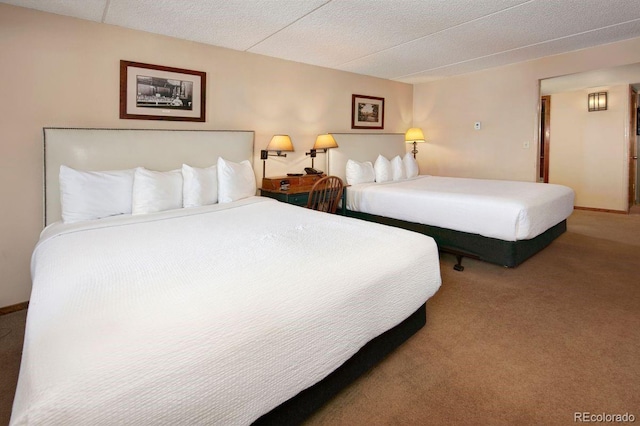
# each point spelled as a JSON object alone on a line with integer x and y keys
{"x": 11, "y": 338}
{"x": 532, "y": 345}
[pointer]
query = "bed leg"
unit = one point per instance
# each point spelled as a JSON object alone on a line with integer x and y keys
{"x": 458, "y": 266}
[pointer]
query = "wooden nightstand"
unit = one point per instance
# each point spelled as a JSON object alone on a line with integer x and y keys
{"x": 297, "y": 192}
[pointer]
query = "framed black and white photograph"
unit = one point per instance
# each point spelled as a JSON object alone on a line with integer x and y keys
{"x": 367, "y": 112}
{"x": 155, "y": 92}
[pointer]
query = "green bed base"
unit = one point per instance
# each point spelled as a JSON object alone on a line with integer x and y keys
{"x": 464, "y": 244}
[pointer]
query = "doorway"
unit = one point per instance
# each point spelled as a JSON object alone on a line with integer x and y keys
{"x": 569, "y": 94}
{"x": 545, "y": 127}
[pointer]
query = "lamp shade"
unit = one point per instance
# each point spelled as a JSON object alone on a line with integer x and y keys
{"x": 325, "y": 142}
{"x": 414, "y": 134}
{"x": 597, "y": 101}
{"x": 280, "y": 143}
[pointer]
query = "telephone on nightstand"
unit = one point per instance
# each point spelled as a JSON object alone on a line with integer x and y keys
{"x": 310, "y": 171}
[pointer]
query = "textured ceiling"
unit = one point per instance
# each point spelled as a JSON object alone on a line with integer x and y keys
{"x": 404, "y": 40}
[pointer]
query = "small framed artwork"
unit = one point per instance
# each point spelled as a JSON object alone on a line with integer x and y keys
{"x": 155, "y": 92}
{"x": 367, "y": 112}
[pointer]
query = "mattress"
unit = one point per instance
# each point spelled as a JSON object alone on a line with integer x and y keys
{"x": 211, "y": 315}
{"x": 506, "y": 210}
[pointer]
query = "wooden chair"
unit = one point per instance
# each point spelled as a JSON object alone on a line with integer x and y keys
{"x": 326, "y": 194}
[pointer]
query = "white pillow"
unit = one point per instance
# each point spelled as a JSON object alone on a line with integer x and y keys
{"x": 358, "y": 172}
{"x": 88, "y": 195}
{"x": 200, "y": 186}
{"x": 156, "y": 191}
{"x": 235, "y": 180}
{"x": 382, "y": 167}
{"x": 410, "y": 165}
{"x": 397, "y": 168}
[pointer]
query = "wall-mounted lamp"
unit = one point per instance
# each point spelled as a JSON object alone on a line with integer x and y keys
{"x": 415, "y": 136}
{"x": 278, "y": 144}
{"x": 597, "y": 101}
{"x": 323, "y": 142}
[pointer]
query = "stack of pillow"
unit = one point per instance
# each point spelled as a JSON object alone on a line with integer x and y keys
{"x": 384, "y": 170}
{"x": 86, "y": 195}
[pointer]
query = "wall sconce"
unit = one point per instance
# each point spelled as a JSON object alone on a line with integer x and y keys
{"x": 323, "y": 142}
{"x": 415, "y": 136}
{"x": 278, "y": 144}
{"x": 597, "y": 101}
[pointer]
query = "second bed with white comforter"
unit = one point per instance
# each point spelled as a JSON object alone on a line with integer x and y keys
{"x": 506, "y": 210}
{"x": 211, "y": 315}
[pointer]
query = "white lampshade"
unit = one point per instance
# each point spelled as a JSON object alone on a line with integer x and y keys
{"x": 280, "y": 143}
{"x": 325, "y": 142}
{"x": 414, "y": 134}
{"x": 597, "y": 101}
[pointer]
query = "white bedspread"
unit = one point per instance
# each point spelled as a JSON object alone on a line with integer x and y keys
{"x": 210, "y": 316}
{"x": 506, "y": 210}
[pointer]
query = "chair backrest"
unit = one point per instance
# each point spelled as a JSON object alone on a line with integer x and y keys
{"x": 325, "y": 194}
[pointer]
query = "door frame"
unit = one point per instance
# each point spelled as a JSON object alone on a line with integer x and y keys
{"x": 545, "y": 137}
{"x": 633, "y": 107}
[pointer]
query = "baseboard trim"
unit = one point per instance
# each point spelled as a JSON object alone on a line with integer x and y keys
{"x": 14, "y": 308}
{"x": 591, "y": 209}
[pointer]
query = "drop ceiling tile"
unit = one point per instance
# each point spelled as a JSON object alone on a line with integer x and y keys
{"x": 405, "y": 40}
{"x": 554, "y": 47}
{"x": 345, "y": 30}
{"x": 525, "y": 25}
{"x": 235, "y": 24}
{"x": 91, "y": 10}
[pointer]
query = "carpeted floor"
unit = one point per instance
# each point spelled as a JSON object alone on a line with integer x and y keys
{"x": 532, "y": 345}
{"x": 557, "y": 335}
{"x": 11, "y": 338}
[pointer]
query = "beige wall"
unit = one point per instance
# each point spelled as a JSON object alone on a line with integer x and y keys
{"x": 588, "y": 149}
{"x": 506, "y": 101}
{"x": 59, "y": 71}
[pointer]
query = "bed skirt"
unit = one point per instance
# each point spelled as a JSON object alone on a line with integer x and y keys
{"x": 492, "y": 250}
{"x": 301, "y": 406}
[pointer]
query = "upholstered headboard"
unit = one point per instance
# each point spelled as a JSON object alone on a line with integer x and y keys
{"x": 117, "y": 149}
{"x": 363, "y": 147}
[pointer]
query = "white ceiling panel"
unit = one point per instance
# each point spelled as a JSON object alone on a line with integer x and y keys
{"x": 403, "y": 40}
{"x": 347, "y": 29}
{"x": 90, "y": 10}
{"x": 235, "y": 24}
{"x": 607, "y": 35}
{"x": 526, "y": 25}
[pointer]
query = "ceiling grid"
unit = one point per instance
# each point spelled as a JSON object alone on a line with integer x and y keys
{"x": 411, "y": 41}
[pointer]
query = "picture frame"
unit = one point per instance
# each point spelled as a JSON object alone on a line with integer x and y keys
{"x": 156, "y": 92}
{"x": 367, "y": 112}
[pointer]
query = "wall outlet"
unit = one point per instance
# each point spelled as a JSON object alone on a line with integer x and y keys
{"x": 477, "y": 125}
{"x": 525, "y": 145}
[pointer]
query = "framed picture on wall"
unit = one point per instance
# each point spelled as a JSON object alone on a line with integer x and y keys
{"x": 367, "y": 112}
{"x": 155, "y": 92}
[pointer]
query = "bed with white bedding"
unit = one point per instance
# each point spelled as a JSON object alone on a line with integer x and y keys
{"x": 506, "y": 210}
{"x": 229, "y": 313}
{"x": 502, "y": 222}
